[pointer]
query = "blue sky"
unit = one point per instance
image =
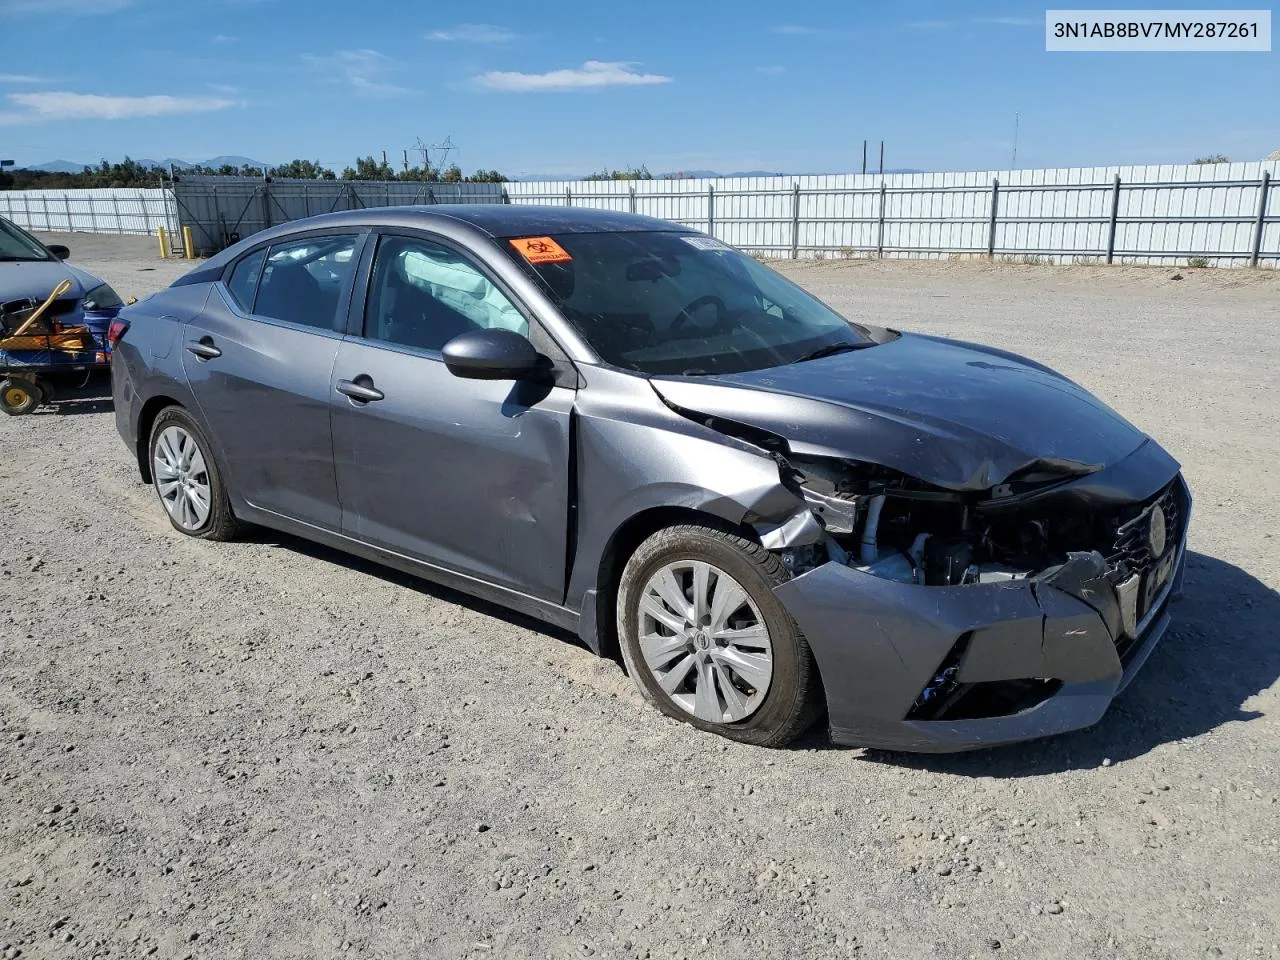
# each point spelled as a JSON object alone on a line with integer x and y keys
{"x": 565, "y": 87}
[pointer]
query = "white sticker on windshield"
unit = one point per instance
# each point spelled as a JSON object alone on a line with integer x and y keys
{"x": 704, "y": 243}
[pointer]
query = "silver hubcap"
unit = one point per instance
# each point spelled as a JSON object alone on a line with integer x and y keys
{"x": 705, "y": 642}
{"x": 182, "y": 479}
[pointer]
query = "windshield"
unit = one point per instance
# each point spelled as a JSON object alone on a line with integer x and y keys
{"x": 16, "y": 244}
{"x": 680, "y": 303}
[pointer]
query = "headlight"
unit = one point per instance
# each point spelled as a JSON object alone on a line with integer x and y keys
{"x": 102, "y": 297}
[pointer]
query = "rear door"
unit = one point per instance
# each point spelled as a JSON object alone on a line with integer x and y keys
{"x": 259, "y": 361}
{"x": 471, "y": 475}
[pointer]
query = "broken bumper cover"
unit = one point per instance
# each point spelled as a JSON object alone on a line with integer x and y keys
{"x": 1066, "y": 643}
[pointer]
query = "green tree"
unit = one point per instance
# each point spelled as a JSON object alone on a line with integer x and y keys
{"x": 631, "y": 173}
{"x": 302, "y": 170}
{"x": 367, "y": 168}
{"x": 1212, "y": 158}
{"x": 487, "y": 176}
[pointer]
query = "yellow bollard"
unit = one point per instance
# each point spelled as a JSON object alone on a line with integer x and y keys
{"x": 188, "y": 247}
{"x": 164, "y": 242}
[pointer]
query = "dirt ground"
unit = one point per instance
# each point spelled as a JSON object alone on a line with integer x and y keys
{"x": 266, "y": 749}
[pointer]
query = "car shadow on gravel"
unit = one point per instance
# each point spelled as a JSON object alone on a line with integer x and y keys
{"x": 1221, "y": 651}
{"x": 408, "y": 581}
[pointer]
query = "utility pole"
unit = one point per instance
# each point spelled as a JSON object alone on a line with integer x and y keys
{"x": 406, "y": 161}
{"x": 1014, "y": 163}
{"x": 882, "y": 158}
{"x": 864, "y": 156}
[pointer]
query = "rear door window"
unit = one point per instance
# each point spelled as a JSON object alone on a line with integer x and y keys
{"x": 302, "y": 281}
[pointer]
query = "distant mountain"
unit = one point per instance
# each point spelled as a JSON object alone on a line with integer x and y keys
{"x": 58, "y": 166}
{"x": 66, "y": 166}
{"x": 215, "y": 162}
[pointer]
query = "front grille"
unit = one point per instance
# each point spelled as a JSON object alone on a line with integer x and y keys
{"x": 1134, "y": 555}
{"x": 1131, "y": 551}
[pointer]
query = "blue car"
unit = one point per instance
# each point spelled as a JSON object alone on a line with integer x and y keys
{"x": 71, "y": 334}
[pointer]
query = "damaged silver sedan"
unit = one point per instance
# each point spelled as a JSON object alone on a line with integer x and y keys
{"x": 632, "y": 430}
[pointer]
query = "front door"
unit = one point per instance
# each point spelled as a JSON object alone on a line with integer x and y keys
{"x": 259, "y": 360}
{"x": 471, "y": 475}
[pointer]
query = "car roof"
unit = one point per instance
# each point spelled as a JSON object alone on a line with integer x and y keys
{"x": 482, "y": 220}
{"x": 495, "y": 219}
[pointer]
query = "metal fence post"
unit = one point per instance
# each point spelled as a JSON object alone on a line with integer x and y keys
{"x": 711, "y": 210}
{"x": 66, "y": 203}
{"x": 306, "y": 199}
{"x": 1262, "y": 217}
{"x": 795, "y": 222}
{"x": 266, "y": 204}
{"x": 632, "y": 192}
{"x": 506, "y": 197}
{"x": 995, "y": 207}
{"x": 115, "y": 206}
{"x": 44, "y": 202}
{"x": 568, "y": 197}
{"x": 1115, "y": 213}
{"x": 884, "y": 193}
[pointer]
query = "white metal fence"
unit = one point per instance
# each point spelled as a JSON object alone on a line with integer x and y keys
{"x": 108, "y": 210}
{"x": 1224, "y": 213}
{"x": 1227, "y": 214}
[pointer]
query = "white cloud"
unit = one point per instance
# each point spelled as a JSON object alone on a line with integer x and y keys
{"x": 365, "y": 71}
{"x": 61, "y": 6}
{"x": 20, "y": 78}
{"x": 473, "y": 33}
{"x": 60, "y": 105}
{"x": 771, "y": 71}
{"x": 591, "y": 75}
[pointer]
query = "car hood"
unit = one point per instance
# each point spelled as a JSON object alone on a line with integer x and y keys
{"x": 953, "y": 414}
{"x": 37, "y": 278}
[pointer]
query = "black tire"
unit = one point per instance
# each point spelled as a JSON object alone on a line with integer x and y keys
{"x": 18, "y": 397}
{"x": 221, "y": 523}
{"x": 793, "y": 700}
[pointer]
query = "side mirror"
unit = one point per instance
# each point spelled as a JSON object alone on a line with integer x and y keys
{"x": 59, "y": 251}
{"x": 494, "y": 354}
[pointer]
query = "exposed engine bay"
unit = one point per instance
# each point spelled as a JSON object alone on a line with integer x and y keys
{"x": 892, "y": 526}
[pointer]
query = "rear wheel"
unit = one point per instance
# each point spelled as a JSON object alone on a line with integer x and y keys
{"x": 706, "y": 640}
{"x": 19, "y": 396}
{"x": 186, "y": 478}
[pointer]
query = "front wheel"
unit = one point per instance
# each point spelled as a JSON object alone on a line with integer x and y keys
{"x": 706, "y": 640}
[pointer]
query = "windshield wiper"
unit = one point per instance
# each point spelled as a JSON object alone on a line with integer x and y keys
{"x": 833, "y": 348}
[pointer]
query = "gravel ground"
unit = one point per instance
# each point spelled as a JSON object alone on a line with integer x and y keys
{"x": 268, "y": 749}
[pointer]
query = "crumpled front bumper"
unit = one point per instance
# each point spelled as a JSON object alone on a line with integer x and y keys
{"x": 878, "y": 643}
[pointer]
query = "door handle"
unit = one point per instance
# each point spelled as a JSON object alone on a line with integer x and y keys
{"x": 203, "y": 348}
{"x": 361, "y": 389}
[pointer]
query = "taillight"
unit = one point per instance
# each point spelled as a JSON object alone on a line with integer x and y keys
{"x": 116, "y": 331}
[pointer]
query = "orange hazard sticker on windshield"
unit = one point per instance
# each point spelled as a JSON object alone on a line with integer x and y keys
{"x": 541, "y": 250}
